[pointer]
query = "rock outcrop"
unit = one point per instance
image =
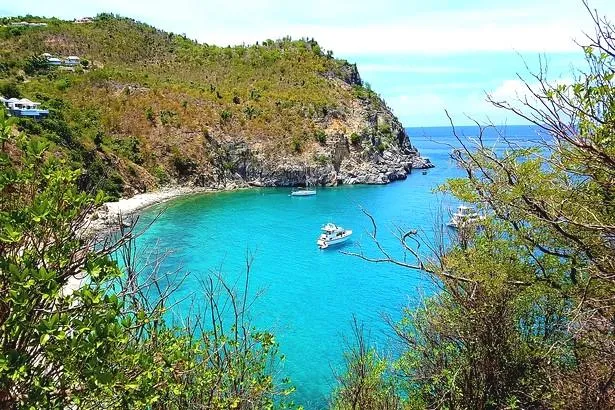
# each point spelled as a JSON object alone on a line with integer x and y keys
{"x": 363, "y": 143}
{"x": 160, "y": 110}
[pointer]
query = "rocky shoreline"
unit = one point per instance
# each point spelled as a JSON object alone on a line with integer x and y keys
{"x": 386, "y": 169}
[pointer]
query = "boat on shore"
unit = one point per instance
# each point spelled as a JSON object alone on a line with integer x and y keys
{"x": 464, "y": 215}
{"x": 303, "y": 192}
{"x": 332, "y": 235}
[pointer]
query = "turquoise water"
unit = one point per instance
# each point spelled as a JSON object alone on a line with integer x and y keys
{"x": 308, "y": 295}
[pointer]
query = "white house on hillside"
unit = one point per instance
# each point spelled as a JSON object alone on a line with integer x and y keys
{"x": 54, "y": 61}
{"x": 84, "y": 20}
{"x": 72, "y": 60}
{"x": 23, "y": 108}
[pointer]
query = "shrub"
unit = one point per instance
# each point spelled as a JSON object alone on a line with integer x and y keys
{"x": 98, "y": 138}
{"x": 321, "y": 159}
{"x": 149, "y": 114}
{"x": 296, "y": 145}
{"x": 184, "y": 166}
{"x": 320, "y": 137}
{"x": 250, "y": 112}
{"x": 226, "y": 115}
{"x": 161, "y": 175}
{"x": 129, "y": 148}
{"x": 62, "y": 84}
{"x": 36, "y": 65}
{"x": 355, "y": 139}
{"x": 168, "y": 117}
{"x": 10, "y": 90}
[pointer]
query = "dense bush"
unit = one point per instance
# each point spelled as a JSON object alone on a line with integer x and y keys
{"x": 10, "y": 90}
{"x": 523, "y": 315}
{"x": 78, "y": 331}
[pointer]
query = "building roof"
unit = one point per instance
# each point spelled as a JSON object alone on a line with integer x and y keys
{"x": 72, "y": 58}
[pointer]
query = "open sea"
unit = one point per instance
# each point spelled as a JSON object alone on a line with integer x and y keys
{"x": 307, "y": 296}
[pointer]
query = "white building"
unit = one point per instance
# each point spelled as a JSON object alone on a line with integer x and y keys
{"x": 23, "y": 107}
{"x": 54, "y": 61}
{"x": 72, "y": 60}
{"x": 84, "y": 20}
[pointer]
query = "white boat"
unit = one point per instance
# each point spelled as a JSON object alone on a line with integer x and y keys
{"x": 332, "y": 235}
{"x": 464, "y": 215}
{"x": 303, "y": 192}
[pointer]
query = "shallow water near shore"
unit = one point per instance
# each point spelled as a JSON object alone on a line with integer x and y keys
{"x": 309, "y": 296}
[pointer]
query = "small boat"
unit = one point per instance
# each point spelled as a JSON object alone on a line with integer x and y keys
{"x": 424, "y": 172}
{"x": 332, "y": 235}
{"x": 303, "y": 192}
{"x": 464, "y": 215}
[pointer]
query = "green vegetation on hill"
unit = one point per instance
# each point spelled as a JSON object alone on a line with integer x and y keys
{"x": 77, "y": 331}
{"x": 524, "y": 316}
{"x": 144, "y": 103}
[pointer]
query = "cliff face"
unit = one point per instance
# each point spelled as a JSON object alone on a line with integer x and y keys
{"x": 147, "y": 108}
{"x": 362, "y": 143}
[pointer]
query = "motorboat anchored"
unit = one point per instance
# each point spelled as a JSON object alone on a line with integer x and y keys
{"x": 303, "y": 192}
{"x": 464, "y": 215}
{"x": 332, "y": 235}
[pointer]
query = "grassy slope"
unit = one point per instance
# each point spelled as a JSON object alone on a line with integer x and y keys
{"x": 151, "y": 100}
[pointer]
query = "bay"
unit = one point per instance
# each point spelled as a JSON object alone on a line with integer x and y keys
{"x": 307, "y": 296}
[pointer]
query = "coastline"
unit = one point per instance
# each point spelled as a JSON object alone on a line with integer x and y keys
{"x": 110, "y": 214}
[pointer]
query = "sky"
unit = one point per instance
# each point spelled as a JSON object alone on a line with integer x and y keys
{"x": 422, "y": 57}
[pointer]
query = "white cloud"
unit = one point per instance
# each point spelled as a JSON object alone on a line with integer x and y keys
{"x": 360, "y": 27}
{"x": 540, "y": 27}
{"x": 516, "y": 90}
{"x": 511, "y": 90}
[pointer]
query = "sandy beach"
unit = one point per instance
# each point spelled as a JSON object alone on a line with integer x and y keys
{"x": 132, "y": 205}
{"x": 109, "y": 215}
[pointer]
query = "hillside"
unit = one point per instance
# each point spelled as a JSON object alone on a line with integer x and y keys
{"x": 147, "y": 108}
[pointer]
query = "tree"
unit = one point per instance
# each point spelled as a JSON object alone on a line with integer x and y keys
{"x": 10, "y": 90}
{"x": 36, "y": 65}
{"x": 364, "y": 384}
{"x": 524, "y": 313}
{"x": 78, "y": 331}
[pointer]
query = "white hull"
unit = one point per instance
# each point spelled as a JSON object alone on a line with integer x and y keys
{"x": 302, "y": 193}
{"x": 324, "y": 243}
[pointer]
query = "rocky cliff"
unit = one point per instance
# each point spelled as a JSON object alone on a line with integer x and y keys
{"x": 146, "y": 108}
{"x": 361, "y": 143}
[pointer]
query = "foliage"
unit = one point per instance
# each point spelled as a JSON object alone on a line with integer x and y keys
{"x": 138, "y": 77}
{"x": 36, "y": 65}
{"x": 321, "y": 159}
{"x": 10, "y": 90}
{"x": 161, "y": 175}
{"x": 523, "y": 316}
{"x": 183, "y": 166}
{"x": 76, "y": 331}
{"x": 365, "y": 383}
{"x": 320, "y": 137}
